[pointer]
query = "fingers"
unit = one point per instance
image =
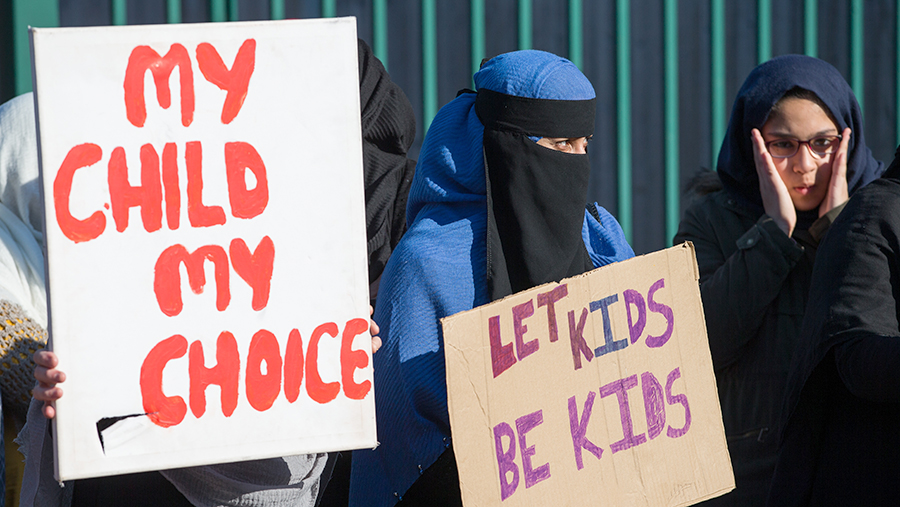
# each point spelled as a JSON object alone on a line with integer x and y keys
{"x": 760, "y": 154}
{"x": 376, "y": 344}
{"x": 373, "y": 329}
{"x": 45, "y": 358}
{"x": 49, "y": 411}
{"x": 47, "y": 393}
{"x": 775, "y": 196}
{"x": 840, "y": 158}
{"x": 48, "y": 376}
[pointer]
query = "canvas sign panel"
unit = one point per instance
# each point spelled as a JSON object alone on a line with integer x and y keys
{"x": 206, "y": 246}
{"x": 598, "y": 390}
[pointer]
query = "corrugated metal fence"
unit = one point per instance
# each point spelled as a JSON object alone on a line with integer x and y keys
{"x": 665, "y": 70}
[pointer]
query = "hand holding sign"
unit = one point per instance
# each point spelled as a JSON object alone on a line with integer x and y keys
{"x": 609, "y": 391}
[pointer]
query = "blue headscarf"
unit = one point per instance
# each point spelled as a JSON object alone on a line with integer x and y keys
{"x": 438, "y": 269}
{"x": 762, "y": 89}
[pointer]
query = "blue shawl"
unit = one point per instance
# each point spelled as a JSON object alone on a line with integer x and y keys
{"x": 439, "y": 269}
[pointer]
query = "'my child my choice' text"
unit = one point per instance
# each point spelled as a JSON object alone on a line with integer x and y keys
{"x": 160, "y": 189}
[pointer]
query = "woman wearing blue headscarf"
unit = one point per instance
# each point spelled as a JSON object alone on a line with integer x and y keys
{"x": 793, "y": 153}
{"x": 497, "y": 205}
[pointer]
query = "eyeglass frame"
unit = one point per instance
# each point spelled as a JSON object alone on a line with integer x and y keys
{"x": 837, "y": 137}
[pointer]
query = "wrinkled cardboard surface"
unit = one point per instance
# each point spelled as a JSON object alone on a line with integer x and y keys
{"x": 673, "y": 468}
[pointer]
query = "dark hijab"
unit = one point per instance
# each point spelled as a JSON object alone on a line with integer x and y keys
{"x": 762, "y": 89}
{"x": 388, "y": 130}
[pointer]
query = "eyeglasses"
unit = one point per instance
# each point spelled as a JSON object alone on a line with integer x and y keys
{"x": 819, "y": 146}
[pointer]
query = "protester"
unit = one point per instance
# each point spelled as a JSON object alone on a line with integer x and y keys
{"x": 841, "y": 443}
{"x": 477, "y": 234}
{"x": 23, "y": 303}
{"x": 793, "y": 152}
{"x": 388, "y": 130}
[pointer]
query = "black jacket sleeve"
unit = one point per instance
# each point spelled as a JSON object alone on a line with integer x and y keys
{"x": 855, "y": 295}
{"x": 738, "y": 279}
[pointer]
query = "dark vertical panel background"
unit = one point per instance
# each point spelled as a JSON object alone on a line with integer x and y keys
{"x": 550, "y": 26}
{"x": 500, "y": 26}
{"x": 599, "y": 28}
{"x": 740, "y": 47}
{"x": 405, "y": 55}
{"x": 694, "y": 89}
{"x": 196, "y": 11}
{"x": 880, "y": 100}
{"x": 7, "y": 63}
{"x": 647, "y": 126}
{"x": 85, "y": 12}
{"x": 550, "y": 32}
{"x": 787, "y": 28}
{"x": 454, "y": 49}
{"x": 146, "y": 12}
{"x": 834, "y": 34}
{"x": 361, "y": 9}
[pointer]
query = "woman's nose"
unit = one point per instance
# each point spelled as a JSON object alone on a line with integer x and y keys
{"x": 804, "y": 161}
{"x": 580, "y": 146}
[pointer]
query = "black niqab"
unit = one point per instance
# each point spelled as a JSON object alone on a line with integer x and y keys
{"x": 535, "y": 196}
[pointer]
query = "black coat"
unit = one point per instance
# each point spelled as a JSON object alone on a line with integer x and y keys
{"x": 754, "y": 281}
{"x": 841, "y": 444}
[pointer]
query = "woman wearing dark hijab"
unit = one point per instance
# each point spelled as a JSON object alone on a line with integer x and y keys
{"x": 388, "y": 130}
{"x": 841, "y": 441}
{"x": 793, "y": 152}
{"x": 497, "y": 205}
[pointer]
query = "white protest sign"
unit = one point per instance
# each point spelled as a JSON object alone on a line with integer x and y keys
{"x": 206, "y": 242}
{"x": 598, "y": 390}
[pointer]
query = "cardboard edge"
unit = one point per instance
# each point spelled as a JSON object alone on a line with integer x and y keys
{"x": 684, "y": 249}
{"x": 687, "y": 247}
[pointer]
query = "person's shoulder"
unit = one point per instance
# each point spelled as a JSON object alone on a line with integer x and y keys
{"x": 885, "y": 188}
{"x": 442, "y": 234}
{"x": 872, "y": 211}
{"x": 879, "y": 199}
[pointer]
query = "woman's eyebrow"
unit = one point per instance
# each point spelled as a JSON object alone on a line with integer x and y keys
{"x": 826, "y": 132}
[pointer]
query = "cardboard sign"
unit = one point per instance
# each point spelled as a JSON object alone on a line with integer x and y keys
{"x": 598, "y": 390}
{"x": 205, "y": 241}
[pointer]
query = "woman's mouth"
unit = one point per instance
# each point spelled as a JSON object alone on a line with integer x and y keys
{"x": 803, "y": 190}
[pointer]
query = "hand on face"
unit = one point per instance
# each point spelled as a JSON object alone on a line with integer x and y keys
{"x": 776, "y": 199}
{"x": 814, "y": 180}
{"x": 837, "y": 188}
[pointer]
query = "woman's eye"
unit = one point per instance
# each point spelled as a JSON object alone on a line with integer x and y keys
{"x": 782, "y": 144}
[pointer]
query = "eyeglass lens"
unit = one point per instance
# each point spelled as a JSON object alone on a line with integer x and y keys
{"x": 785, "y": 148}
